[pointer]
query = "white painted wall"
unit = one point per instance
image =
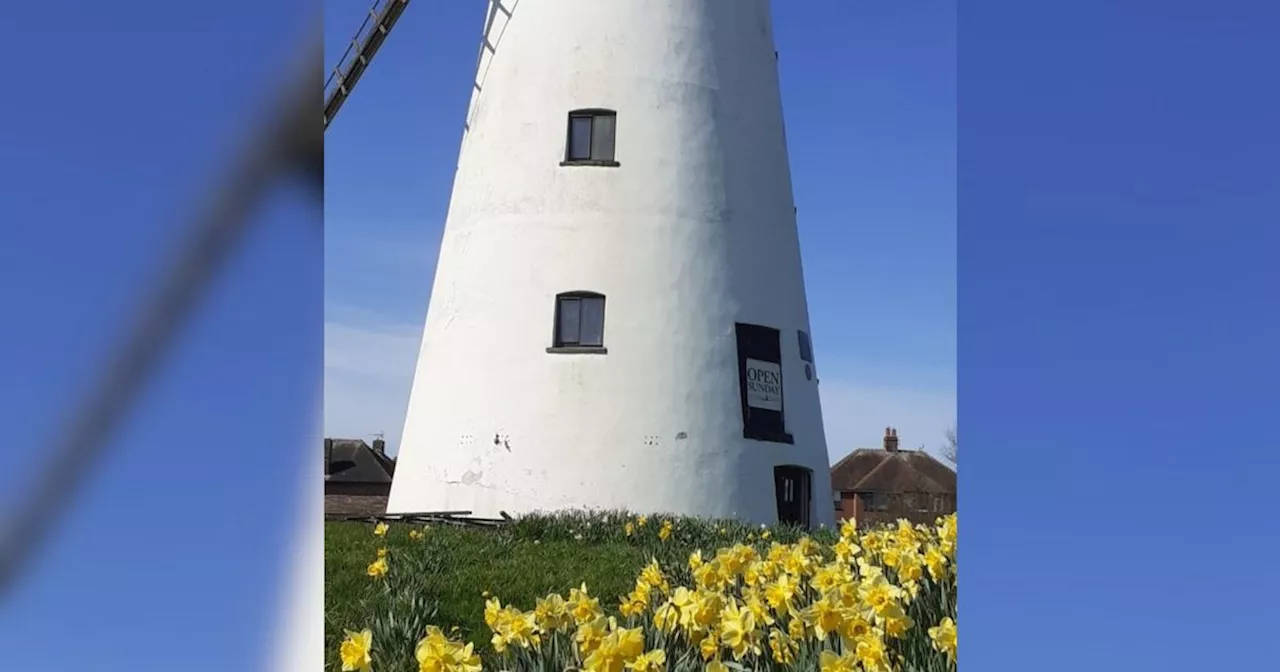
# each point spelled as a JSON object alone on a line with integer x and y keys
{"x": 693, "y": 232}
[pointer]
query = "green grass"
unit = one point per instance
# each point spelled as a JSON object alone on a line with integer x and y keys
{"x": 441, "y": 579}
{"x": 450, "y": 568}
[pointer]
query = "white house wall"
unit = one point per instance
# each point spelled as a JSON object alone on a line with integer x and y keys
{"x": 692, "y": 232}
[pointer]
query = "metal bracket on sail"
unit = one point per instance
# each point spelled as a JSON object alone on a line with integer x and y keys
{"x": 355, "y": 60}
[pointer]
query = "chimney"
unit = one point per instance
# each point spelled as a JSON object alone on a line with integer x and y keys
{"x": 891, "y": 439}
{"x": 380, "y": 447}
{"x": 328, "y": 455}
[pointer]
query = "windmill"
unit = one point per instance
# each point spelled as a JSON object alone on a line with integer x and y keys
{"x": 618, "y": 316}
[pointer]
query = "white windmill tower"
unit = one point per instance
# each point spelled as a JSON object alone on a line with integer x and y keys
{"x": 618, "y": 318}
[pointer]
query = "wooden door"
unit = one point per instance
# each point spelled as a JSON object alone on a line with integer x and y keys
{"x": 793, "y": 489}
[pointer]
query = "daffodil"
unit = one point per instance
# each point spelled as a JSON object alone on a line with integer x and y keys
{"x": 706, "y": 610}
{"x": 936, "y": 561}
{"x": 947, "y": 535}
{"x": 831, "y": 576}
{"x": 896, "y": 624}
{"x": 845, "y": 550}
{"x": 910, "y": 566}
{"x": 380, "y": 529}
{"x": 637, "y": 601}
{"x": 617, "y": 649}
{"x": 355, "y": 651}
{"x": 685, "y": 603}
{"x": 513, "y": 627}
{"x": 871, "y": 652}
{"x": 436, "y": 653}
{"x": 649, "y": 661}
{"x": 824, "y": 616}
{"x": 552, "y": 614}
{"x": 737, "y": 630}
{"x": 782, "y": 647}
{"x": 590, "y": 635}
{"x": 492, "y": 611}
{"x": 943, "y": 637}
{"x": 797, "y": 630}
{"x": 666, "y": 618}
{"x": 378, "y": 568}
{"x": 752, "y": 600}
{"x": 432, "y": 650}
{"x": 854, "y": 628}
{"x": 829, "y": 661}
{"x": 709, "y": 647}
{"x": 879, "y": 595}
{"x": 582, "y": 606}
{"x": 652, "y": 576}
{"x": 780, "y": 593}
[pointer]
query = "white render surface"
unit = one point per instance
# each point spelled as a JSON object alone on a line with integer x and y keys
{"x": 693, "y": 231}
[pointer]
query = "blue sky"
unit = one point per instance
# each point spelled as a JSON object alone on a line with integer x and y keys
{"x": 873, "y": 163}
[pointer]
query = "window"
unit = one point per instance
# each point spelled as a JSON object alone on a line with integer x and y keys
{"x": 806, "y": 347}
{"x": 591, "y": 138}
{"x": 806, "y": 353}
{"x": 579, "y": 322}
{"x": 874, "y": 501}
{"x": 916, "y": 503}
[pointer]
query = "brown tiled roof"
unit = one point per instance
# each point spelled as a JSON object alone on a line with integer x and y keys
{"x": 353, "y": 461}
{"x": 875, "y": 470}
{"x": 933, "y": 469}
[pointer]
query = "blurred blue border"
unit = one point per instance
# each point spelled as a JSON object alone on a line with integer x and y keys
{"x": 1119, "y": 319}
{"x": 117, "y": 120}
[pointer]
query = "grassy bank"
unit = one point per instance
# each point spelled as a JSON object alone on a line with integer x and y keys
{"x": 442, "y": 576}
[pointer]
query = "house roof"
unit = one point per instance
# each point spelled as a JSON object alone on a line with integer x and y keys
{"x": 353, "y": 461}
{"x": 876, "y": 470}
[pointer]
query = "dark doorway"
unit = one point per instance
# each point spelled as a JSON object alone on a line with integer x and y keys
{"x": 792, "y": 485}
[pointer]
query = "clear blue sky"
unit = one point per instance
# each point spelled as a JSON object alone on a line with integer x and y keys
{"x": 1118, "y": 198}
{"x": 869, "y": 96}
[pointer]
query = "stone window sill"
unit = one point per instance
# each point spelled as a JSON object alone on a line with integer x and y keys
{"x": 590, "y": 162}
{"x": 577, "y": 350}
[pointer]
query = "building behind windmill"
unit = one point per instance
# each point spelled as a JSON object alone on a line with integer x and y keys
{"x": 881, "y": 485}
{"x": 618, "y": 316}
